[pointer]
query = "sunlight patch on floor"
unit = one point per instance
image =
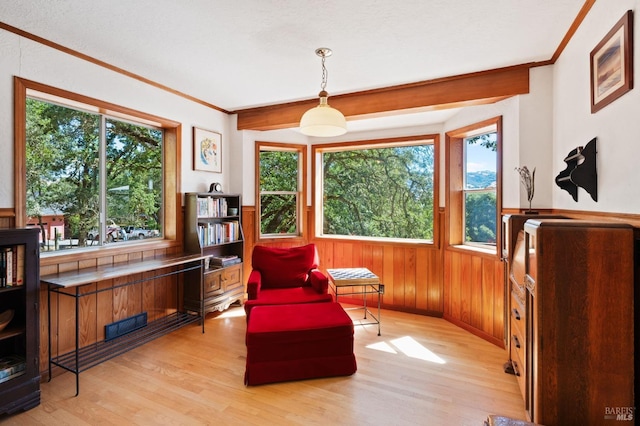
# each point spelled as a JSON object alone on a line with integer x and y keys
{"x": 231, "y": 313}
{"x": 382, "y": 347}
{"x": 408, "y": 346}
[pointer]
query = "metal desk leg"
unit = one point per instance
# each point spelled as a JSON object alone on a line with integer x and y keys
{"x": 49, "y": 325}
{"x": 364, "y": 301}
{"x": 77, "y": 369}
{"x": 380, "y": 293}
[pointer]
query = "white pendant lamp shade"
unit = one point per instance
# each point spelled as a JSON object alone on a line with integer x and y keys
{"x": 323, "y": 121}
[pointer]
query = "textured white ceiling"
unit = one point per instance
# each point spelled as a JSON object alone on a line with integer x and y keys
{"x": 243, "y": 53}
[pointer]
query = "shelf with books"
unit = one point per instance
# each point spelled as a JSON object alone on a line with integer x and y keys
{"x": 12, "y": 266}
{"x": 19, "y": 320}
{"x": 213, "y": 228}
{"x": 213, "y": 233}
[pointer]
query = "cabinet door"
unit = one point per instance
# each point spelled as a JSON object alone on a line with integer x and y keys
{"x": 231, "y": 278}
{"x": 213, "y": 283}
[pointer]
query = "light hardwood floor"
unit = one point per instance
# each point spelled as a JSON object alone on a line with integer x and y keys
{"x": 190, "y": 378}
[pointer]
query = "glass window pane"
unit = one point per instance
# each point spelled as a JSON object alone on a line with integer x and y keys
{"x": 481, "y": 160}
{"x": 379, "y": 192}
{"x": 480, "y": 217}
{"x": 278, "y": 213}
{"x": 62, "y": 165}
{"x": 480, "y": 189}
{"x": 134, "y": 181}
{"x": 279, "y": 171}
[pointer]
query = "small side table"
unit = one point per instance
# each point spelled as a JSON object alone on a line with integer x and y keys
{"x": 349, "y": 281}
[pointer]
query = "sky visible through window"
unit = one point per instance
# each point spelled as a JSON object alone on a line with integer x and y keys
{"x": 481, "y": 158}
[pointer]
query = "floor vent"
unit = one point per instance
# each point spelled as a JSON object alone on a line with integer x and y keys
{"x": 124, "y": 326}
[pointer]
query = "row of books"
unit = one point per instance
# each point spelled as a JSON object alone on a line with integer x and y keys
{"x": 12, "y": 266}
{"x": 218, "y": 233}
{"x": 211, "y": 207}
{"x": 11, "y": 366}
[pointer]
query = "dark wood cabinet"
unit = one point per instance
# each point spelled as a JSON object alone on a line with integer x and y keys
{"x": 513, "y": 254}
{"x": 579, "y": 350}
{"x": 213, "y": 228}
{"x": 19, "y": 340}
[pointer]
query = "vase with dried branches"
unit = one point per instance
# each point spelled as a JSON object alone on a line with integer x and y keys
{"x": 527, "y": 178}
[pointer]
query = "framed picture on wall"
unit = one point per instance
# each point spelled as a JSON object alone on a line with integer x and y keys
{"x": 207, "y": 150}
{"x": 612, "y": 64}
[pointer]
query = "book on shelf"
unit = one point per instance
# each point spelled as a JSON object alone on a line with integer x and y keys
{"x": 211, "y": 207}
{"x": 12, "y": 266}
{"x": 11, "y": 366}
{"x": 218, "y": 232}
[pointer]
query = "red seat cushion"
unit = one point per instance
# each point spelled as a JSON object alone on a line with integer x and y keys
{"x": 288, "y": 296}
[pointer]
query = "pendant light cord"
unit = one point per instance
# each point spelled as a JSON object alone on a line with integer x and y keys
{"x": 325, "y": 75}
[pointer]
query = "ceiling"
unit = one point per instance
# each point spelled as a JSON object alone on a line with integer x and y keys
{"x": 247, "y": 53}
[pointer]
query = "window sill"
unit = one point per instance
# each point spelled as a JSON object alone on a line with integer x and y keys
{"x": 484, "y": 252}
{"x": 78, "y": 255}
{"x": 274, "y": 238}
{"x": 376, "y": 240}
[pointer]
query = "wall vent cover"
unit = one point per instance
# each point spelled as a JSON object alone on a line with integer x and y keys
{"x": 124, "y": 326}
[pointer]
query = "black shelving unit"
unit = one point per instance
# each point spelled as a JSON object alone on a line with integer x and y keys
{"x": 20, "y": 389}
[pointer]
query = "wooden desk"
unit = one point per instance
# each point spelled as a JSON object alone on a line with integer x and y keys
{"x": 360, "y": 281}
{"x": 88, "y": 356}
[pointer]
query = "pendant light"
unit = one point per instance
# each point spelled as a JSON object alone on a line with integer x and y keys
{"x": 322, "y": 120}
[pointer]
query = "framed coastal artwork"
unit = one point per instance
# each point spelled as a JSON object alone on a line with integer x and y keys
{"x": 612, "y": 64}
{"x": 207, "y": 150}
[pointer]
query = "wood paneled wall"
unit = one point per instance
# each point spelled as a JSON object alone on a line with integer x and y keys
{"x": 7, "y": 218}
{"x": 411, "y": 274}
{"x": 474, "y": 293}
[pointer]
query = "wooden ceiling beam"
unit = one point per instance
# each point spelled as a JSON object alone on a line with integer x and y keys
{"x": 467, "y": 89}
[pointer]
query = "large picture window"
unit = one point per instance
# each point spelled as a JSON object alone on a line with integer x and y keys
{"x": 91, "y": 174}
{"x": 377, "y": 189}
{"x": 280, "y": 183}
{"x": 91, "y": 179}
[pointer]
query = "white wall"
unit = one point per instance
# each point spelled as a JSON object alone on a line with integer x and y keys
{"x": 617, "y": 126}
{"x": 24, "y": 58}
{"x": 244, "y": 167}
{"x": 536, "y": 139}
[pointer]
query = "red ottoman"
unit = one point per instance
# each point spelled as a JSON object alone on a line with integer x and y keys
{"x": 300, "y": 341}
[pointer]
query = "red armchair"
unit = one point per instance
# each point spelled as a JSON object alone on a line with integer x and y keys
{"x": 285, "y": 276}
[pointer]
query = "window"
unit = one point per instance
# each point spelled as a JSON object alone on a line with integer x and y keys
{"x": 377, "y": 189}
{"x": 280, "y": 172}
{"x": 82, "y": 167}
{"x": 95, "y": 172}
{"x": 480, "y": 189}
{"x": 473, "y": 200}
